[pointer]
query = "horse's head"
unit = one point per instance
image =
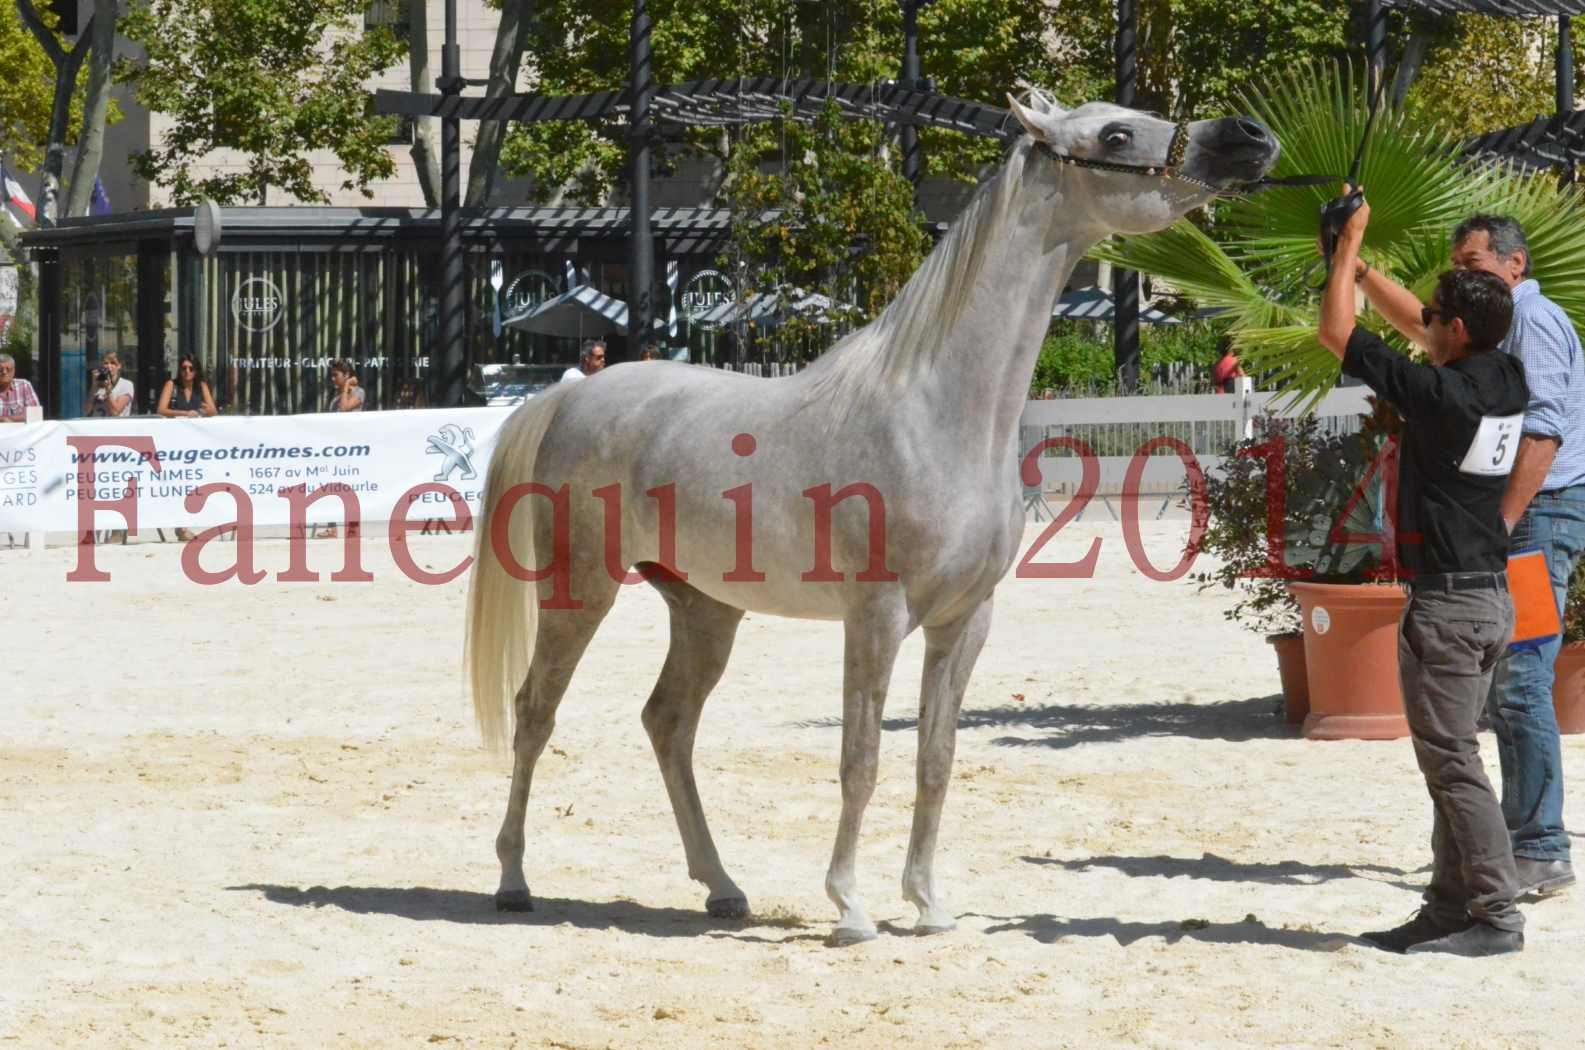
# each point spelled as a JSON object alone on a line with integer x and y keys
{"x": 1142, "y": 173}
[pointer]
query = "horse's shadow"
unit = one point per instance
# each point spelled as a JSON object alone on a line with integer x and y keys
{"x": 1220, "y": 869}
{"x": 1069, "y": 725}
{"x": 1049, "y": 929}
{"x": 427, "y": 904}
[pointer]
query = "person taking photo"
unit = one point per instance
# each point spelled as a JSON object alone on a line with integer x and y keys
{"x": 1462, "y": 418}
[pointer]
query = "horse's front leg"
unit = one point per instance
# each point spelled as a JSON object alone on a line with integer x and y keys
{"x": 872, "y": 638}
{"x": 950, "y": 652}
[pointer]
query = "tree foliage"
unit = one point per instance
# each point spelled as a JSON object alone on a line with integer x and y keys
{"x": 1489, "y": 73}
{"x": 272, "y": 80}
{"x": 831, "y": 219}
{"x": 975, "y": 49}
{"x": 819, "y": 206}
{"x": 26, "y": 91}
{"x": 1195, "y": 55}
{"x": 71, "y": 98}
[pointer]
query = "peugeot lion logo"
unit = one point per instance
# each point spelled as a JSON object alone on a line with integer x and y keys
{"x": 456, "y": 444}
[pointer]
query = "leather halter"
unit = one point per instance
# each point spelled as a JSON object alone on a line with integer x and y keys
{"x": 1171, "y": 169}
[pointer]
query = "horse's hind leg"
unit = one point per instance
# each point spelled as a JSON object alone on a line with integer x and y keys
{"x": 950, "y": 652}
{"x": 702, "y": 630}
{"x": 562, "y": 637}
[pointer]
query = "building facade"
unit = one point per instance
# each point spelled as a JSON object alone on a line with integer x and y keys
{"x": 288, "y": 290}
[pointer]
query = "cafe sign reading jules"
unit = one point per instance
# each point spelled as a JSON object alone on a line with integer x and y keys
{"x": 704, "y": 297}
{"x": 258, "y": 305}
{"x": 527, "y": 290}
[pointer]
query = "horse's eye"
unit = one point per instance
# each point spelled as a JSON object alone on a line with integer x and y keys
{"x": 1117, "y": 139}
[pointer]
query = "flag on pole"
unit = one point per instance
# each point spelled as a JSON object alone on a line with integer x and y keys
{"x": 99, "y": 204}
{"x": 17, "y": 195}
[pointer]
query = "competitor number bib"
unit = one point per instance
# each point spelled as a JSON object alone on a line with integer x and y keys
{"x": 1495, "y": 445}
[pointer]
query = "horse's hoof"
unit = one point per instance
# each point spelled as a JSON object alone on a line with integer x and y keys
{"x": 930, "y": 929}
{"x": 727, "y": 908}
{"x": 843, "y": 936}
{"x": 513, "y": 900}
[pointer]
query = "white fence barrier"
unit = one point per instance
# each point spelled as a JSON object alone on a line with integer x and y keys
{"x": 771, "y": 370}
{"x": 375, "y": 459}
{"x": 378, "y": 458}
{"x": 1116, "y": 427}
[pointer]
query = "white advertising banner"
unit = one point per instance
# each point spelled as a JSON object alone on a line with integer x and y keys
{"x": 368, "y": 460}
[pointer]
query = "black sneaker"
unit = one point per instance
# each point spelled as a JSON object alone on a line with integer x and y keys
{"x": 1543, "y": 878}
{"x": 1423, "y": 927}
{"x": 1478, "y": 939}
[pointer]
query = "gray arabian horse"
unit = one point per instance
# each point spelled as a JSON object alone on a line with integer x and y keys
{"x": 730, "y": 493}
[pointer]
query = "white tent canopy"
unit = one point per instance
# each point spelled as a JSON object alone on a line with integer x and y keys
{"x": 579, "y": 312}
{"x": 1096, "y": 304}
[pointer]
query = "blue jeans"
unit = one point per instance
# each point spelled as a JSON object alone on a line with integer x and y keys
{"x": 1521, "y": 709}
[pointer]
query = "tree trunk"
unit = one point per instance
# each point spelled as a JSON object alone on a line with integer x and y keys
{"x": 426, "y": 130}
{"x": 1409, "y": 68}
{"x": 516, "y": 15}
{"x": 91, "y": 137}
{"x": 55, "y": 152}
{"x": 66, "y": 63}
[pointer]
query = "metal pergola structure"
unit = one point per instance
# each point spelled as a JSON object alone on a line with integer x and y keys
{"x": 644, "y": 105}
{"x": 910, "y": 103}
{"x": 725, "y": 101}
{"x": 1555, "y": 141}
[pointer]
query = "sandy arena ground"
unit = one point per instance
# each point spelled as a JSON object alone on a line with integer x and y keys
{"x": 260, "y": 817}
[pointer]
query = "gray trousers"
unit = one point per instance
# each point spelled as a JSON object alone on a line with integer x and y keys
{"x": 1449, "y": 643}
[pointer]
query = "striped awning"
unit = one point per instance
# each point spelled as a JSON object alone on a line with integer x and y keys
{"x": 1096, "y": 304}
{"x": 581, "y": 312}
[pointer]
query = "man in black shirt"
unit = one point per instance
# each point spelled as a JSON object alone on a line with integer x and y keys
{"x": 1462, "y": 420}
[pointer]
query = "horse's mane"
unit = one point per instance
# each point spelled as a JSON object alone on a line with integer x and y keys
{"x": 909, "y": 334}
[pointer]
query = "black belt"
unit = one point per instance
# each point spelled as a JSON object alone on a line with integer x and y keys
{"x": 1460, "y": 581}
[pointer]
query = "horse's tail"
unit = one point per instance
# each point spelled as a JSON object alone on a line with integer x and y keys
{"x": 503, "y": 610}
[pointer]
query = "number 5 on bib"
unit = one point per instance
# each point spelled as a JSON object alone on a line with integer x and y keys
{"x": 1495, "y": 446}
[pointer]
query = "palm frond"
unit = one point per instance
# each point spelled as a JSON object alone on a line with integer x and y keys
{"x": 1259, "y": 263}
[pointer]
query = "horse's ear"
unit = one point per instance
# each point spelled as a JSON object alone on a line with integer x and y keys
{"x": 1037, "y": 113}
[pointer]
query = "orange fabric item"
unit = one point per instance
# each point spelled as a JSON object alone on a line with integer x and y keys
{"x": 1535, "y": 614}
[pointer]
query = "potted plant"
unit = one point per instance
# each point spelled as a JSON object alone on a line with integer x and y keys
{"x": 1568, "y": 682}
{"x": 1237, "y": 535}
{"x": 1291, "y": 513}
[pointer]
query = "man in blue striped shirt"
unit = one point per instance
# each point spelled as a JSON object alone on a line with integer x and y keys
{"x": 1544, "y": 508}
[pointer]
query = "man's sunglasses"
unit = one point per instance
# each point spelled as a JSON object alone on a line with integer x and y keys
{"x": 1428, "y": 312}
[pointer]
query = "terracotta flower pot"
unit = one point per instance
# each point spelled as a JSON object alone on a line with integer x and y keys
{"x": 1351, "y": 660}
{"x": 1568, "y": 688}
{"x": 1295, "y": 684}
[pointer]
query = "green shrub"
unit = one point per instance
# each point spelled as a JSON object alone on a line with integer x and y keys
{"x": 1079, "y": 353}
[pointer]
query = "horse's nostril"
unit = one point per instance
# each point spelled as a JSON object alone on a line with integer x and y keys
{"x": 1253, "y": 130}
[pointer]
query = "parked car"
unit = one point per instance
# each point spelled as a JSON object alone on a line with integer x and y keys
{"x": 512, "y": 384}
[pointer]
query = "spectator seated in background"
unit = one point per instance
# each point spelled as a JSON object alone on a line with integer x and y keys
{"x": 590, "y": 361}
{"x": 410, "y": 395}
{"x": 1226, "y": 370}
{"x": 108, "y": 393}
{"x": 186, "y": 395}
{"x": 16, "y": 395}
{"x": 347, "y": 398}
{"x": 349, "y": 395}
